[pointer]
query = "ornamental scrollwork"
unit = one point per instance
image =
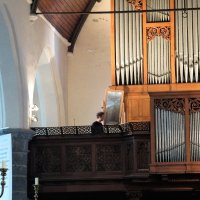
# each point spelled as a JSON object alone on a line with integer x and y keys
{"x": 175, "y": 105}
{"x": 79, "y": 158}
{"x": 164, "y": 32}
{"x": 194, "y": 105}
{"x": 108, "y": 157}
{"x": 48, "y": 159}
{"x": 136, "y": 3}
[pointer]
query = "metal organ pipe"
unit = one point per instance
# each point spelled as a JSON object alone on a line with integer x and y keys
{"x": 170, "y": 136}
{"x": 194, "y": 129}
{"x": 158, "y": 47}
{"x": 129, "y": 58}
{"x": 158, "y": 16}
{"x": 187, "y": 42}
{"x": 159, "y": 61}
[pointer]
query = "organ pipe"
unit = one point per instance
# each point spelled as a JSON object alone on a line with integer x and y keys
{"x": 157, "y": 16}
{"x": 129, "y": 55}
{"x": 187, "y": 42}
{"x": 129, "y": 28}
{"x": 169, "y": 130}
{"x": 170, "y": 136}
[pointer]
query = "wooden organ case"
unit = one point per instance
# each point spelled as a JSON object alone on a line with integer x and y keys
{"x": 156, "y": 55}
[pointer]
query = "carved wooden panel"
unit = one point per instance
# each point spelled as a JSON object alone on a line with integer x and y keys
{"x": 129, "y": 156}
{"x": 175, "y": 105}
{"x": 78, "y": 158}
{"x": 138, "y": 108}
{"x": 48, "y": 159}
{"x": 194, "y": 105}
{"x": 164, "y": 32}
{"x": 108, "y": 157}
{"x": 142, "y": 149}
{"x": 140, "y": 126}
{"x": 137, "y": 4}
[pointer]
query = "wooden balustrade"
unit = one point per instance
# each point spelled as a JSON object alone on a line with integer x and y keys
{"x": 59, "y": 159}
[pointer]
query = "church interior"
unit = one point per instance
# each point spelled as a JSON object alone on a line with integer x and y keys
{"x": 137, "y": 62}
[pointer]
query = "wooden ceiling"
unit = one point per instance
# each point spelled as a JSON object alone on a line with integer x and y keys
{"x": 69, "y": 26}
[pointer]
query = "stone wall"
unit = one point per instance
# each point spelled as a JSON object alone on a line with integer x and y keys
{"x": 20, "y": 139}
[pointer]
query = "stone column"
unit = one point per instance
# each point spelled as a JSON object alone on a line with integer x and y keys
{"x": 20, "y": 139}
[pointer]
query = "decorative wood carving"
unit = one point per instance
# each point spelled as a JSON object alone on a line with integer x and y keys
{"x": 129, "y": 155}
{"x": 142, "y": 155}
{"x": 79, "y": 158}
{"x": 140, "y": 126}
{"x": 136, "y": 3}
{"x": 174, "y": 105}
{"x": 48, "y": 159}
{"x": 108, "y": 157}
{"x": 164, "y": 32}
{"x": 194, "y": 105}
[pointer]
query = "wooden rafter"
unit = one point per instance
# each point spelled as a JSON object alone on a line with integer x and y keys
{"x": 79, "y": 25}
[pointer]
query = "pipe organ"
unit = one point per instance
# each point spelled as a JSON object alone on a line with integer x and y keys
{"x": 175, "y": 132}
{"x": 156, "y": 50}
{"x": 129, "y": 56}
{"x": 169, "y": 130}
{"x": 149, "y": 49}
{"x": 156, "y": 62}
{"x": 187, "y": 42}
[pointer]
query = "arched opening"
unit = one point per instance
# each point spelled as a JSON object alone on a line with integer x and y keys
{"x": 11, "y": 103}
{"x": 46, "y": 94}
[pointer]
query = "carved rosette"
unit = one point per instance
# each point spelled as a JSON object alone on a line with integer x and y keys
{"x": 137, "y": 4}
{"x": 194, "y": 105}
{"x": 164, "y": 32}
{"x": 175, "y": 105}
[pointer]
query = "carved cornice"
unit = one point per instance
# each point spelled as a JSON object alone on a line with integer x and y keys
{"x": 152, "y": 32}
{"x": 136, "y": 3}
{"x": 176, "y": 105}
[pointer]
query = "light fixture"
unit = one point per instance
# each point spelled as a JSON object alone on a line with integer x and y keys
{"x": 34, "y": 118}
{"x": 3, "y": 171}
{"x": 34, "y": 108}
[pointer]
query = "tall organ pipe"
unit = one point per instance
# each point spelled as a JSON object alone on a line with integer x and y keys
{"x": 187, "y": 42}
{"x": 170, "y": 136}
{"x": 128, "y": 40}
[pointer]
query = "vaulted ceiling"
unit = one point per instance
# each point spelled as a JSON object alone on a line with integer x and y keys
{"x": 69, "y": 26}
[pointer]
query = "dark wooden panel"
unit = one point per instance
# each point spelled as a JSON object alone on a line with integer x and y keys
{"x": 68, "y": 26}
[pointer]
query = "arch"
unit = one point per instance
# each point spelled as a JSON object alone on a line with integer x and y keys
{"x": 47, "y": 92}
{"x": 2, "y": 107}
{"x": 11, "y": 82}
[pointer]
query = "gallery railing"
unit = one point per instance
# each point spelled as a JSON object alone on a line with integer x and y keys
{"x": 61, "y": 154}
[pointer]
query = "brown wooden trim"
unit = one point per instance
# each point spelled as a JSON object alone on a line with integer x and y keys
{"x": 175, "y": 168}
{"x": 112, "y": 40}
{"x": 187, "y": 130}
{"x": 79, "y": 25}
{"x": 172, "y": 53}
{"x": 152, "y": 139}
{"x": 180, "y": 87}
{"x": 157, "y": 24}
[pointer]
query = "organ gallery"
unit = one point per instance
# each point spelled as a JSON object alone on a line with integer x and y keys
{"x": 156, "y": 65}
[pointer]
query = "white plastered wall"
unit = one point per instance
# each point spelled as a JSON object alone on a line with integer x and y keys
{"x": 89, "y": 68}
{"x": 28, "y": 40}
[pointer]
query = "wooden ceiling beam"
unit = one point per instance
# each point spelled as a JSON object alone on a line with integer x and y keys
{"x": 34, "y": 6}
{"x": 79, "y": 25}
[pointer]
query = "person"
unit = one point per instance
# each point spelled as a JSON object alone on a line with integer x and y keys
{"x": 97, "y": 126}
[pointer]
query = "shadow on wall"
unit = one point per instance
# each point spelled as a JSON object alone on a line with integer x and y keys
{"x": 11, "y": 99}
{"x": 45, "y": 93}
